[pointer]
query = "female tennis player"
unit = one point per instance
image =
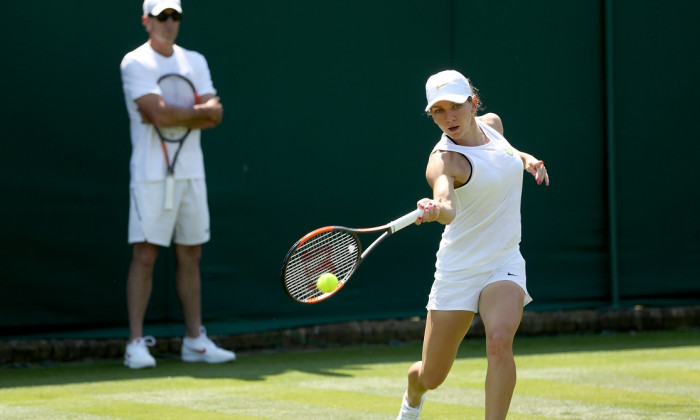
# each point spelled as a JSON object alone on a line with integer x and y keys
{"x": 476, "y": 177}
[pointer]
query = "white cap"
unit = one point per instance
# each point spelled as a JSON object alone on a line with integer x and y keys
{"x": 448, "y": 85}
{"x": 155, "y": 7}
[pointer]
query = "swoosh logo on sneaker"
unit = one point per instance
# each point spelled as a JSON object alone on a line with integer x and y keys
{"x": 200, "y": 351}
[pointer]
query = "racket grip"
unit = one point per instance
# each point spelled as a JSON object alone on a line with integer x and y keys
{"x": 169, "y": 191}
{"x": 406, "y": 220}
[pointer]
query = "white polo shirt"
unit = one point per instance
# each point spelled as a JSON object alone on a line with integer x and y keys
{"x": 140, "y": 70}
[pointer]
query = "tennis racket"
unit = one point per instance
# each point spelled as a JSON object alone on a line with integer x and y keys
{"x": 179, "y": 91}
{"x": 331, "y": 249}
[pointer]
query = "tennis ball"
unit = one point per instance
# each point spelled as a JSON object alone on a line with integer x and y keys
{"x": 327, "y": 282}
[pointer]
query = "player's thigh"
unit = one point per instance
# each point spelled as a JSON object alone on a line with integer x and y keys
{"x": 444, "y": 331}
{"x": 501, "y": 308}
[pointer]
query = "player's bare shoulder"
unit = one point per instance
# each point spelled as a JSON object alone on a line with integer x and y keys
{"x": 493, "y": 121}
{"x": 451, "y": 164}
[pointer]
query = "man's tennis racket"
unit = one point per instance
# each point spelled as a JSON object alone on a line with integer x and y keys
{"x": 330, "y": 249}
{"x": 179, "y": 91}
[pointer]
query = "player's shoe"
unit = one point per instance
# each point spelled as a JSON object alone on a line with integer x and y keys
{"x": 137, "y": 355}
{"x": 202, "y": 349}
{"x": 407, "y": 412}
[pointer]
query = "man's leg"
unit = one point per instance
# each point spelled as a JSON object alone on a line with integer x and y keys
{"x": 139, "y": 285}
{"x": 189, "y": 286}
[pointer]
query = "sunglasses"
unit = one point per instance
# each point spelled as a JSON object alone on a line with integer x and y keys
{"x": 162, "y": 17}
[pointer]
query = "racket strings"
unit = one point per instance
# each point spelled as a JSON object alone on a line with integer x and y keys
{"x": 176, "y": 91}
{"x": 334, "y": 252}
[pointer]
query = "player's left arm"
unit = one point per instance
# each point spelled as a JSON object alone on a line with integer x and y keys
{"x": 531, "y": 164}
{"x": 535, "y": 167}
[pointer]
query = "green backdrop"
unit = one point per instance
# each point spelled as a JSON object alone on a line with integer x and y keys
{"x": 323, "y": 125}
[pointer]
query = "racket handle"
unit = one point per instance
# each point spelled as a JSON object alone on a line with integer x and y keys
{"x": 169, "y": 191}
{"x": 406, "y": 220}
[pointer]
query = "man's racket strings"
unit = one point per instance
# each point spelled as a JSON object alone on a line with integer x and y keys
{"x": 179, "y": 91}
{"x": 330, "y": 249}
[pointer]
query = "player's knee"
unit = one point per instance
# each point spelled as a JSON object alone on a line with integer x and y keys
{"x": 499, "y": 342}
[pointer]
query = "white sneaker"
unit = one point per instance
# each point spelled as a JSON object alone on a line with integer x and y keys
{"x": 137, "y": 355}
{"x": 407, "y": 412}
{"x": 202, "y": 349}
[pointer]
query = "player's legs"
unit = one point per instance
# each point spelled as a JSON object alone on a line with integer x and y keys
{"x": 444, "y": 331}
{"x": 501, "y": 309}
{"x": 189, "y": 286}
{"x": 139, "y": 285}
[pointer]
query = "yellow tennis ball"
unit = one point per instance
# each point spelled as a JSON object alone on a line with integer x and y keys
{"x": 327, "y": 282}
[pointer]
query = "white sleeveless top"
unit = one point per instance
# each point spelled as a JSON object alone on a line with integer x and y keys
{"x": 487, "y": 223}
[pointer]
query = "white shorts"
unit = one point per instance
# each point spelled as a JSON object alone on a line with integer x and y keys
{"x": 460, "y": 290}
{"x": 186, "y": 224}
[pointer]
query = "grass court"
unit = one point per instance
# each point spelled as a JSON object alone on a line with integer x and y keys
{"x": 649, "y": 375}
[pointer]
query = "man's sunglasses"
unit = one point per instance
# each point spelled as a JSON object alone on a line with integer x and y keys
{"x": 162, "y": 17}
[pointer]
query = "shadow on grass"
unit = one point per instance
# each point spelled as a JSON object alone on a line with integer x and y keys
{"x": 333, "y": 362}
{"x": 248, "y": 367}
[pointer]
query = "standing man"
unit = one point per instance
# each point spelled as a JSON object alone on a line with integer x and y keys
{"x": 150, "y": 224}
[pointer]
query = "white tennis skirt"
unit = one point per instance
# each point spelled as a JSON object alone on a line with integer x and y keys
{"x": 460, "y": 290}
